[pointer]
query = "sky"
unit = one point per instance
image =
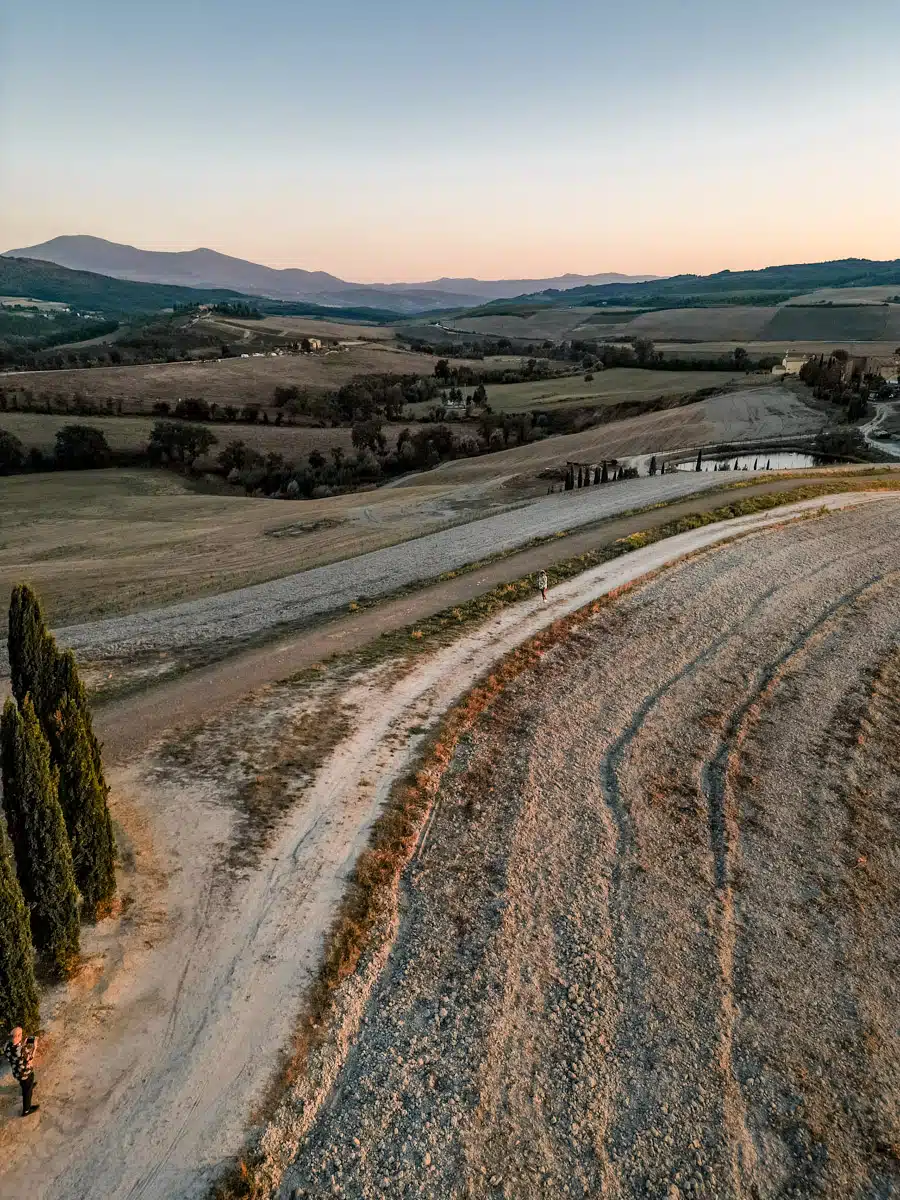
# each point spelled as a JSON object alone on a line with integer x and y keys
{"x": 412, "y": 139}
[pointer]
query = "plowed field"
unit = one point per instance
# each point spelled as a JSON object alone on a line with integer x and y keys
{"x": 651, "y": 946}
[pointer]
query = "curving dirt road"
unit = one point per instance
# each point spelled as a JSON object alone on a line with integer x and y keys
{"x": 651, "y": 948}
{"x": 152, "y": 1072}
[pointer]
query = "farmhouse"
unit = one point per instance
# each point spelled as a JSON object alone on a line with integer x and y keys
{"x": 792, "y": 363}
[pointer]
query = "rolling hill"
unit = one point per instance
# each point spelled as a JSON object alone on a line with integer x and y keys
{"x": 87, "y": 290}
{"x": 769, "y": 285}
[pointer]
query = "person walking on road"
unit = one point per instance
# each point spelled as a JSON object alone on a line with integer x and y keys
{"x": 20, "y": 1052}
{"x": 542, "y": 584}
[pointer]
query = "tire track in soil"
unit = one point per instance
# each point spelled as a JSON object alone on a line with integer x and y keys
{"x": 630, "y": 965}
{"x": 724, "y": 835}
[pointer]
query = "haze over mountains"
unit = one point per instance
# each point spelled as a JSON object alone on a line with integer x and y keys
{"x": 203, "y": 268}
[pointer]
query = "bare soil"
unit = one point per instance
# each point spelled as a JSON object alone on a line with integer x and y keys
{"x": 650, "y": 948}
{"x": 156, "y": 1055}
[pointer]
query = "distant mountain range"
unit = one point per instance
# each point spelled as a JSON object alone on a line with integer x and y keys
{"x": 208, "y": 269}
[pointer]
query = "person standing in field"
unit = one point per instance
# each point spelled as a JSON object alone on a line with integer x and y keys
{"x": 20, "y": 1052}
{"x": 542, "y": 584}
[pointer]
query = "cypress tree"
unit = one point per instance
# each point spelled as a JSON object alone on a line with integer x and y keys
{"x": 699, "y": 460}
{"x": 38, "y": 832}
{"x": 604, "y": 474}
{"x": 30, "y": 647}
{"x": 50, "y": 677}
{"x": 82, "y": 797}
{"x": 18, "y": 989}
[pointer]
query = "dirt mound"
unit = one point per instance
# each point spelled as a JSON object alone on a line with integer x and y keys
{"x": 651, "y": 945}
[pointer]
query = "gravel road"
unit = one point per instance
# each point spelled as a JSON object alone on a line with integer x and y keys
{"x": 253, "y": 611}
{"x": 651, "y": 948}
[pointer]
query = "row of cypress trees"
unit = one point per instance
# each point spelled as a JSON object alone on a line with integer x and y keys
{"x": 58, "y": 861}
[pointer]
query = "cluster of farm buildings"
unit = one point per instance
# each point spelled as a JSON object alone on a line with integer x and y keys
{"x": 857, "y": 366}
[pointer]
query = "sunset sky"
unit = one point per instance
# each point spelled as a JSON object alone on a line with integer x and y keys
{"x": 404, "y": 140}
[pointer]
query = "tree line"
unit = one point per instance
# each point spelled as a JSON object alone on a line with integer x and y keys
{"x": 57, "y": 852}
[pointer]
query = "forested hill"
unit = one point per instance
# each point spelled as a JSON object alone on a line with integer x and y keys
{"x": 85, "y": 291}
{"x": 766, "y": 284}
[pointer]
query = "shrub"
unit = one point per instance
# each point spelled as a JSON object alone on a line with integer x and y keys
{"x": 12, "y": 453}
{"x": 179, "y": 442}
{"x": 81, "y": 447}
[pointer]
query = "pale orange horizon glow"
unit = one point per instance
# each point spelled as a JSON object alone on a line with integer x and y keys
{"x": 402, "y": 142}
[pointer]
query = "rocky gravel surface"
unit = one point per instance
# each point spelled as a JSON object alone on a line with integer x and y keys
{"x": 651, "y": 946}
{"x": 249, "y": 612}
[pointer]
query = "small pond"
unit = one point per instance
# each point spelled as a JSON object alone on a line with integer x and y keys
{"x": 764, "y": 460}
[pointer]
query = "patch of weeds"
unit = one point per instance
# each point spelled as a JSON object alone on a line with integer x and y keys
{"x": 265, "y": 797}
{"x": 301, "y": 528}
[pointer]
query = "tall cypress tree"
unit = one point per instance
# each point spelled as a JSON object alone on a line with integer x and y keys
{"x": 82, "y": 797}
{"x": 31, "y": 649}
{"x": 18, "y": 989}
{"x": 38, "y": 832}
{"x": 67, "y": 685}
{"x": 50, "y": 677}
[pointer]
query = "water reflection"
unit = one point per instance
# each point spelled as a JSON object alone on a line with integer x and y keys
{"x": 766, "y": 461}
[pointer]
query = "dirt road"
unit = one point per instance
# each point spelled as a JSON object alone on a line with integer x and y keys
{"x": 128, "y": 726}
{"x": 651, "y": 948}
{"x": 228, "y": 618}
{"x": 155, "y": 1059}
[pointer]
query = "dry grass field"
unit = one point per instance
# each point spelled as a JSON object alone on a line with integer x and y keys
{"x": 301, "y": 327}
{"x": 228, "y": 381}
{"x": 151, "y": 540}
{"x": 294, "y": 442}
{"x": 733, "y": 323}
{"x": 705, "y": 331}
{"x": 549, "y": 1008}
{"x": 607, "y": 387}
{"x": 855, "y": 295}
{"x": 876, "y": 349}
{"x": 101, "y": 542}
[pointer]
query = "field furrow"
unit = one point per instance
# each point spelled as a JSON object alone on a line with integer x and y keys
{"x": 635, "y": 956}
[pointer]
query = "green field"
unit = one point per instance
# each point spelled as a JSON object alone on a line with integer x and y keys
{"x": 607, "y": 387}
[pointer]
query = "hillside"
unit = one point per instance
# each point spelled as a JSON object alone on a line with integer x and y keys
{"x": 770, "y": 285}
{"x": 86, "y": 290}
